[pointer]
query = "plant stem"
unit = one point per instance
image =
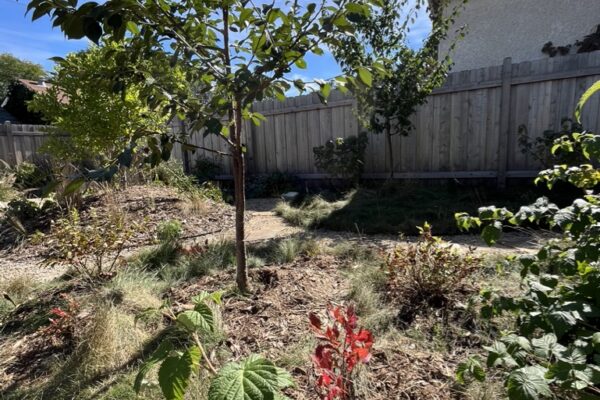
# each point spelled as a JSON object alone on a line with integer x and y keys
{"x": 210, "y": 366}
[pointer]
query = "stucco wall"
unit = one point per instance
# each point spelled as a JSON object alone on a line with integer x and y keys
{"x": 519, "y": 29}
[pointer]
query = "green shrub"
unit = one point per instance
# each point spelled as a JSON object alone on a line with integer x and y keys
{"x": 35, "y": 174}
{"x": 554, "y": 350}
{"x": 343, "y": 157}
{"x": 171, "y": 173}
{"x": 429, "y": 274}
{"x": 254, "y": 377}
{"x": 169, "y": 231}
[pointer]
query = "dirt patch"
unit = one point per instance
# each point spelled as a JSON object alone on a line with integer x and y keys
{"x": 274, "y": 322}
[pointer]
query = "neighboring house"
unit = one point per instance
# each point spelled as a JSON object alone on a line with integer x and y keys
{"x": 520, "y": 29}
{"x": 15, "y": 104}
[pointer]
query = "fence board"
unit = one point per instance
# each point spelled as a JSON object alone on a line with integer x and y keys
{"x": 467, "y": 128}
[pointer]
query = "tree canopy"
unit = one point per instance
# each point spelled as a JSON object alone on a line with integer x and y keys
{"x": 409, "y": 72}
{"x": 99, "y": 122}
{"x": 232, "y": 52}
{"x": 12, "y": 68}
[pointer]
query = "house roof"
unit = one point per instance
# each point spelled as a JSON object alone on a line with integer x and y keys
{"x": 41, "y": 87}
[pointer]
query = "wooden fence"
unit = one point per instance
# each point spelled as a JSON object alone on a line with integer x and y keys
{"x": 468, "y": 128}
{"x": 18, "y": 142}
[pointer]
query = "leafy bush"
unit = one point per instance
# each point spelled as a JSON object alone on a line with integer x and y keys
{"x": 169, "y": 231}
{"x": 92, "y": 247}
{"x": 540, "y": 148}
{"x": 429, "y": 273}
{"x": 34, "y": 175}
{"x": 254, "y": 378}
{"x": 342, "y": 347}
{"x": 343, "y": 157}
{"x": 23, "y": 216}
{"x": 171, "y": 173}
{"x": 555, "y": 347}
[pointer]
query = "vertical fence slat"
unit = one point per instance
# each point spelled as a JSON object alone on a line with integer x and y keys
{"x": 504, "y": 122}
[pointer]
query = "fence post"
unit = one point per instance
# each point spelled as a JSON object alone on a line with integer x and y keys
{"x": 12, "y": 152}
{"x": 504, "y": 122}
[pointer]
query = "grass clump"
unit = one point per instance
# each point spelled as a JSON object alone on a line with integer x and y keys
{"x": 283, "y": 251}
{"x": 311, "y": 213}
{"x": 135, "y": 289}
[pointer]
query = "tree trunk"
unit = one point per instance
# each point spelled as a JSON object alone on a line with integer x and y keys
{"x": 388, "y": 136}
{"x": 239, "y": 178}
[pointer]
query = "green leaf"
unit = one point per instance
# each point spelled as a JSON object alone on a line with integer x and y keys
{"x": 74, "y": 186}
{"x": 255, "y": 379}
{"x": 301, "y": 63}
{"x": 133, "y": 28}
{"x": 161, "y": 352}
{"x": 365, "y": 76}
{"x": 201, "y": 318}
{"x": 470, "y": 367}
{"x": 174, "y": 373}
{"x": 201, "y": 297}
{"x": 92, "y": 29}
{"x": 492, "y": 233}
{"x": 584, "y": 98}
{"x": 528, "y": 383}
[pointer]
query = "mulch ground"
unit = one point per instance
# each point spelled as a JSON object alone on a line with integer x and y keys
{"x": 274, "y": 322}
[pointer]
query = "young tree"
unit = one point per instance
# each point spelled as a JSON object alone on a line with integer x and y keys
{"x": 81, "y": 102}
{"x": 12, "y": 68}
{"x": 407, "y": 75}
{"x": 233, "y": 52}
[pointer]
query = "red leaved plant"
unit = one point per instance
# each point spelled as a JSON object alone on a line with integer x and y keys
{"x": 63, "y": 323}
{"x": 342, "y": 346}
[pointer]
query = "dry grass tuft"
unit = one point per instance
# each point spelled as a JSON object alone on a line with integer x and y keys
{"x": 108, "y": 343}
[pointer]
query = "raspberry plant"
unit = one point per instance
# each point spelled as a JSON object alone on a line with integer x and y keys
{"x": 342, "y": 346}
{"x": 554, "y": 350}
{"x": 254, "y": 378}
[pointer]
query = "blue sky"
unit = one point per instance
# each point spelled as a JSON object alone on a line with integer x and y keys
{"x": 37, "y": 41}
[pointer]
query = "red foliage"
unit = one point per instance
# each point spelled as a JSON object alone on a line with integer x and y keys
{"x": 342, "y": 346}
{"x": 63, "y": 325}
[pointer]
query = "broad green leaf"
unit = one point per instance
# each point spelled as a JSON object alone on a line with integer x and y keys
{"x": 132, "y": 27}
{"x": 74, "y": 186}
{"x": 492, "y": 233}
{"x": 528, "y": 383}
{"x": 470, "y": 367}
{"x": 174, "y": 373}
{"x": 365, "y": 76}
{"x": 204, "y": 295}
{"x": 543, "y": 346}
{"x": 161, "y": 352}
{"x": 301, "y": 63}
{"x": 255, "y": 379}
{"x": 201, "y": 318}
{"x": 584, "y": 98}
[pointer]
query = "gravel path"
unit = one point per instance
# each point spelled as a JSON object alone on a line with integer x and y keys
{"x": 264, "y": 224}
